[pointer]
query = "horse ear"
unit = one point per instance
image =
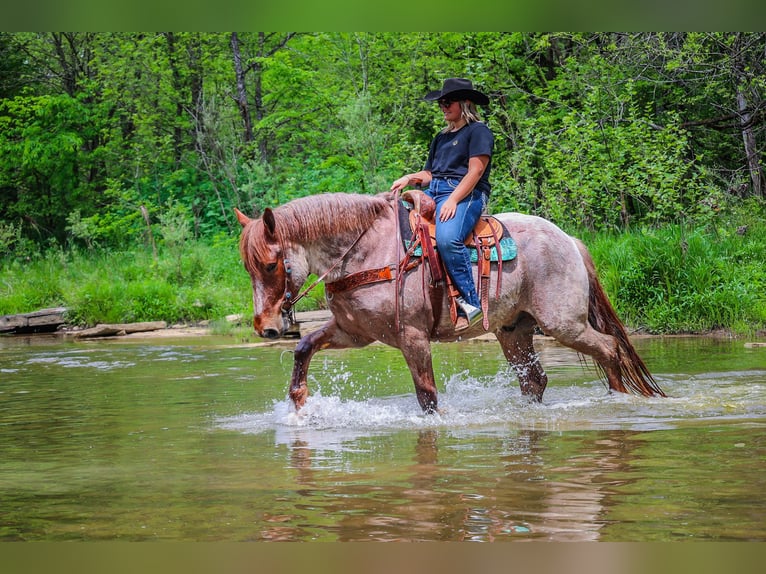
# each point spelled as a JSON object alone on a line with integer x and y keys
{"x": 241, "y": 217}
{"x": 269, "y": 222}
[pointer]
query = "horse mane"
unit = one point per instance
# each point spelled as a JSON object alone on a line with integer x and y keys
{"x": 314, "y": 217}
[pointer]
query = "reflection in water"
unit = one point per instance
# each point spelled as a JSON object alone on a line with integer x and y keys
{"x": 454, "y": 497}
{"x": 173, "y": 442}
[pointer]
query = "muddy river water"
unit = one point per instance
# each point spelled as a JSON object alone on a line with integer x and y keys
{"x": 194, "y": 440}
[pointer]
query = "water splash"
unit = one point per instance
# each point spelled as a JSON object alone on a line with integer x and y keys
{"x": 492, "y": 403}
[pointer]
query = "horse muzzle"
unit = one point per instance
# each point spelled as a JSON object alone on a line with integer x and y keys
{"x": 270, "y": 334}
{"x": 273, "y": 329}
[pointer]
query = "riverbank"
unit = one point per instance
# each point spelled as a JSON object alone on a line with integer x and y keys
{"x": 31, "y": 326}
{"x": 673, "y": 280}
{"x": 306, "y": 323}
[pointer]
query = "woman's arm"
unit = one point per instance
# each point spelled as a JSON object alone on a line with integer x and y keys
{"x": 423, "y": 177}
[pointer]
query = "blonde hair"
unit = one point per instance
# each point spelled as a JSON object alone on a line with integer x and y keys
{"x": 468, "y": 112}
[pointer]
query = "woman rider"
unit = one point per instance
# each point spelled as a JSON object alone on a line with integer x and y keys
{"x": 457, "y": 175}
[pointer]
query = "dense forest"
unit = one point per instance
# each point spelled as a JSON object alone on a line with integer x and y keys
{"x": 102, "y": 133}
{"x": 122, "y": 156}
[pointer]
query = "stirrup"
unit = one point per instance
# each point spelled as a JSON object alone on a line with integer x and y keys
{"x": 471, "y": 314}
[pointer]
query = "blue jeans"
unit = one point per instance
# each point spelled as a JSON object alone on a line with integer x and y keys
{"x": 451, "y": 234}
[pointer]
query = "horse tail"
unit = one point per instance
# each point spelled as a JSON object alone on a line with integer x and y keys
{"x": 603, "y": 318}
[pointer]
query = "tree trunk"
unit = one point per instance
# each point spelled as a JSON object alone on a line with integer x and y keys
{"x": 746, "y": 119}
{"x": 110, "y": 330}
{"x": 241, "y": 99}
{"x": 751, "y": 149}
{"x": 175, "y": 72}
{"x": 260, "y": 111}
{"x": 196, "y": 73}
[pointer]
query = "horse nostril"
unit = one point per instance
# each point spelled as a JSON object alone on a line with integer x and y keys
{"x": 270, "y": 334}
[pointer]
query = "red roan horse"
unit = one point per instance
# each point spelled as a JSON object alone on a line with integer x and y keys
{"x": 552, "y": 283}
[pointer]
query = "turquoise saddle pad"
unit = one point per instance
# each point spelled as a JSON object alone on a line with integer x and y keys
{"x": 507, "y": 244}
{"x": 507, "y": 250}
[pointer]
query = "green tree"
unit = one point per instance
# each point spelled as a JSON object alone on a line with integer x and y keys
{"x": 604, "y": 129}
{"x": 40, "y": 170}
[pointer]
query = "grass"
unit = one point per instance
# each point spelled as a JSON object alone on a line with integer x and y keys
{"x": 202, "y": 282}
{"x": 667, "y": 280}
{"x": 679, "y": 280}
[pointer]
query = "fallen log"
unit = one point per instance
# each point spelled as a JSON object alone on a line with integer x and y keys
{"x": 44, "y": 320}
{"x": 119, "y": 329}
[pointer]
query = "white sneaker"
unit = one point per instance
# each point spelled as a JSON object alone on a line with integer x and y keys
{"x": 472, "y": 313}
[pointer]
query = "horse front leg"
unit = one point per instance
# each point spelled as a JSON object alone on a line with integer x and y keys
{"x": 328, "y": 336}
{"x": 307, "y": 346}
{"x": 417, "y": 354}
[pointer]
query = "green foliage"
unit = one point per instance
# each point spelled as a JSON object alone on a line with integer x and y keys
{"x": 314, "y": 299}
{"x": 98, "y": 299}
{"x": 30, "y": 285}
{"x": 599, "y": 160}
{"x": 606, "y": 130}
{"x": 40, "y": 141}
{"x": 82, "y": 229}
{"x": 10, "y": 236}
{"x": 363, "y": 128}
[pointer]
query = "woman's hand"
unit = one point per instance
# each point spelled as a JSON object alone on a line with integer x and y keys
{"x": 476, "y": 167}
{"x": 400, "y": 183}
{"x": 421, "y": 178}
{"x": 448, "y": 209}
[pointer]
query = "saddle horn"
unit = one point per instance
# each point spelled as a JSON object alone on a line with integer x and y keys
{"x": 423, "y": 204}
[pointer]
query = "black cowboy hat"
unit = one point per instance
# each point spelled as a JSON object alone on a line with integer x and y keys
{"x": 458, "y": 89}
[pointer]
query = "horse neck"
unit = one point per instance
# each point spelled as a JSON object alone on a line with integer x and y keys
{"x": 375, "y": 246}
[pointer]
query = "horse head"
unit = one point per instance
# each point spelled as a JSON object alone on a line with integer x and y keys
{"x": 263, "y": 254}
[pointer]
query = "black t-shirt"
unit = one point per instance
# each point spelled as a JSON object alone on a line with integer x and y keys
{"x": 450, "y": 152}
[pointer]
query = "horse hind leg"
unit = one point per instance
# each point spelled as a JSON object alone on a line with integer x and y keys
{"x": 604, "y": 349}
{"x": 517, "y": 343}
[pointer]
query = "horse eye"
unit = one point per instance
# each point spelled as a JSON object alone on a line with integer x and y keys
{"x": 271, "y": 267}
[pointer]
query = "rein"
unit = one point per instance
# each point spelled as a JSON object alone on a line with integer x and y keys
{"x": 287, "y": 306}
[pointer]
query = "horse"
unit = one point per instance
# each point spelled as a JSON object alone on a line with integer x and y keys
{"x": 551, "y": 285}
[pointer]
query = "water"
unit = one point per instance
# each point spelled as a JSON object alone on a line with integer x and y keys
{"x": 194, "y": 440}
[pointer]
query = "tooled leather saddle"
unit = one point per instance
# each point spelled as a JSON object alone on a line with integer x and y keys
{"x": 487, "y": 238}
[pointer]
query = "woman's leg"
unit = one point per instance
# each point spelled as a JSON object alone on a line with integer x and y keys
{"x": 450, "y": 241}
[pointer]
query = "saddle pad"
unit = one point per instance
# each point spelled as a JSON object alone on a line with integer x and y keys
{"x": 507, "y": 248}
{"x": 507, "y": 244}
